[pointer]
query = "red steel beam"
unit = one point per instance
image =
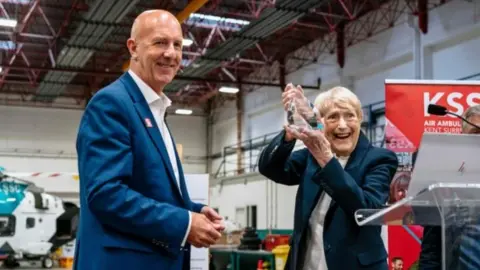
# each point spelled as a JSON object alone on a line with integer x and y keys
{"x": 423, "y": 15}
{"x": 62, "y": 69}
{"x": 20, "y": 102}
{"x": 10, "y": 83}
{"x": 29, "y": 92}
{"x": 346, "y": 9}
{"x": 341, "y": 44}
{"x": 23, "y": 26}
{"x": 75, "y": 6}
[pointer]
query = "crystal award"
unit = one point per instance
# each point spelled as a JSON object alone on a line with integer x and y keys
{"x": 302, "y": 115}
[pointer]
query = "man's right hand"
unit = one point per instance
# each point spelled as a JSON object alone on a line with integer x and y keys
{"x": 203, "y": 232}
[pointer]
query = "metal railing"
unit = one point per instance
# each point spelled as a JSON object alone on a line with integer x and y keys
{"x": 250, "y": 150}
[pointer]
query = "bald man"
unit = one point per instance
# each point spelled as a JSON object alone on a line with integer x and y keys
{"x": 135, "y": 209}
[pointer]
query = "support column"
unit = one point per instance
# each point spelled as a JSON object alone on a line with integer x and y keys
{"x": 422, "y": 6}
{"x": 210, "y": 118}
{"x": 419, "y": 28}
{"x": 341, "y": 44}
{"x": 427, "y": 63}
{"x": 417, "y": 49}
{"x": 282, "y": 73}
{"x": 417, "y": 53}
{"x": 346, "y": 81}
{"x": 239, "y": 103}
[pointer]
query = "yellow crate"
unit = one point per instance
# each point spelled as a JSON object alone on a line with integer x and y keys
{"x": 281, "y": 254}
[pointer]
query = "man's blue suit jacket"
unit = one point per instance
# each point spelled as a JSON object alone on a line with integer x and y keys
{"x": 132, "y": 214}
{"x": 364, "y": 183}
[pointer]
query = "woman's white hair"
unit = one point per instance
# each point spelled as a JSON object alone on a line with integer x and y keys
{"x": 338, "y": 97}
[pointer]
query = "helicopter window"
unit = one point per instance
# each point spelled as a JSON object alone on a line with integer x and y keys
{"x": 7, "y": 225}
{"x": 30, "y": 222}
{"x": 39, "y": 204}
{"x": 3, "y": 222}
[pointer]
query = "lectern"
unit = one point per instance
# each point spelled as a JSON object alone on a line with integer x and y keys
{"x": 444, "y": 191}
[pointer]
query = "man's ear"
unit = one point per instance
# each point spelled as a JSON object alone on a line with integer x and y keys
{"x": 132, "y": 48}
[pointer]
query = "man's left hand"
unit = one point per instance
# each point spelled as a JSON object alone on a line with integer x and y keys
{"x": 214, "y": 217}
{"x": 317, "y": 144}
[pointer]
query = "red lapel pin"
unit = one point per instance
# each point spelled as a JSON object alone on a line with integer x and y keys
{"x": 148, "y": 123}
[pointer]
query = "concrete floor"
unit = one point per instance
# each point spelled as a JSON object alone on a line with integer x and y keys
{"x": 31, "y": 266}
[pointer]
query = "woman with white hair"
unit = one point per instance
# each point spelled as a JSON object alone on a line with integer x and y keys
{"x": 337, "y": 173}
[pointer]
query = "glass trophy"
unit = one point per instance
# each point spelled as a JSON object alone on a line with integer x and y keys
{"x": 302, "y": 115}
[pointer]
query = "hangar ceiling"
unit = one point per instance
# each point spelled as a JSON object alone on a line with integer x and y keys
{"x": 57, "y": 53}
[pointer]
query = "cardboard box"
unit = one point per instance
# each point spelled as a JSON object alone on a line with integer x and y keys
{"x": 230, "y": 239}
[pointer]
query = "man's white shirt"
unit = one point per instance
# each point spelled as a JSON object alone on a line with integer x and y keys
{"x": 158, "y": 105}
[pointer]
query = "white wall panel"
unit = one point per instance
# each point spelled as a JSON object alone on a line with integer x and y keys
{"x": 261, "y": 97}
{"x": 370, "y": 88}
{"x": 274, "y": 209}
{"x": 43, "y": 140}
{"x": 229, "y": 197}
{"x": 24, "y": 163}
{"x": 266, "y": 121}
{"x": 224, "y": 133}
{"x": 191, "y": 133}
{"x": 36, "y": 139}
{"x": 38, "y": 128}
{"x": 285, "y": 206}
{"x": 459, "y": 57}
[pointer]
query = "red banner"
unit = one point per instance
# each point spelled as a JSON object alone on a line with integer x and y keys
{"x": 407, "y": 118}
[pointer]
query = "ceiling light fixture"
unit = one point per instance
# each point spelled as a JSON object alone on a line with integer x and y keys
{"x": 183, "y": 111}
{"x": 187, "y": 42}
{"x": 230, "y": 90}
{"x": 21, "y": 2}
{"x": 8, "y": 22}
{"x": 218, "y": 19}
{"x": 210, "y": 21}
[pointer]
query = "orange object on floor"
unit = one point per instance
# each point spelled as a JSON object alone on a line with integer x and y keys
{"x": 65, "y": 263}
